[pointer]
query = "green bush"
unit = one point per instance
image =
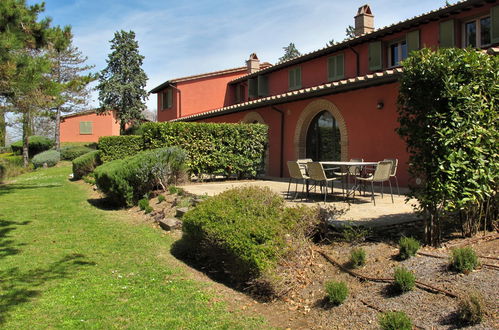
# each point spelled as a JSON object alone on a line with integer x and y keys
{"x": 86, "y": 164}
{"x": 221, "y": 149}
{"x": 354, "y": 234}
{"x": 471, "y": 309}
{"x": 161, "y": 198}
{"x": 3, "y": 172}
{"x": 36, "y": 145}
{"x": 357, "y": 257}
{"x": 405, "y": 280}
{"x": 119, "y": 147}
{"x": 464, "y": 260}
{"x": 49, "y": 157}
{"x": 70, "y": 153}
{"x": 143, "y": 203}
{"x": 394, "y": 321}
{"x": 126, "y": 180}
{"x": 336, "y": 292}
{"x": 175, "y": 190}
{"x": 13, "y": 165}
{"x": 245, "y": 231}
{"x": 408, "y": 247}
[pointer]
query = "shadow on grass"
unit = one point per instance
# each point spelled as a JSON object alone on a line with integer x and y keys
{"x": 18, "y": 286}
{"x": 9, "y": 247}
{"x": 13, "y": 187}
{"x": 103, "y": 204}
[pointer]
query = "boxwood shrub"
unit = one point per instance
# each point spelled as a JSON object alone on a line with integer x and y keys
{"x": 119, "y": 147}
{"x": 49, "y": 157}
{"x": 244, "y": 233}
{"x": 213, "y": 148}
{"x": 36, "y": 145}
{"x": 72, "y": 152}
{"x": 86, "y": 164}
{"x": 126, "y": 180}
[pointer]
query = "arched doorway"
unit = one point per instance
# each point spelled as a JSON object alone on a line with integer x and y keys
{"x": 323, "y": 138}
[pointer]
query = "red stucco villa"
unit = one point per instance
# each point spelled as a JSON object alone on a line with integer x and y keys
{"x": 339, "y": 102}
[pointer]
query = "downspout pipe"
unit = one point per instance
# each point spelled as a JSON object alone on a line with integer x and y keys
{"x": 179, "y": 99}
{"x": 357, "y": 60}
{"x": 281, "y": 154}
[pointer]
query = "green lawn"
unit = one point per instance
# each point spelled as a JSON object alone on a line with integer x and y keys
{"x": 66, "y": 264}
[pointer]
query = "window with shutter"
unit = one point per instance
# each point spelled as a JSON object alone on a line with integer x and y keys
{"x": 447, "y": 34}
{"x": 294, "y": 76}
{"x": 85, "y": 127}
{"x": 263, "y": 86}
{"x": 252, "y": 88}
{"x": 336, "y": 67}
{"x": 477, "y": 32}
{"x": 375, "y": 56}
{"x": 167, "y": 98}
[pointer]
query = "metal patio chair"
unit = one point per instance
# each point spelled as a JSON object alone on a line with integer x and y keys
{"x": 349, "y": 171}
{"x": 297, "y": 173}
{"x": 381, "y": 174}
{"x": 393, "y": 171}
{"x": 316, "y": 172}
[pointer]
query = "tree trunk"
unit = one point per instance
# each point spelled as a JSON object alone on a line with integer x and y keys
{"x": 122, "y": 127}
{"x": 26, "y": 133}
{"x": 58, "y": 129}
{"x": 2, "y": 128}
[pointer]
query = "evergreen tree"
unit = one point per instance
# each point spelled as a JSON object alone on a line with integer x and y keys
{"x": 72, "y": 85}
{"x": 290, "y": 52}
{"x": 122, "y": 83}
{"x": 24, "y": 88}
{"x": 350, "y": 31}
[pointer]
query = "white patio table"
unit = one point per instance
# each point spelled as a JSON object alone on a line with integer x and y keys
{"x": 356, "y": 186}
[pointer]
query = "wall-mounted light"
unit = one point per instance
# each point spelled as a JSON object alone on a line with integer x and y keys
{"x": 380, "y": 105}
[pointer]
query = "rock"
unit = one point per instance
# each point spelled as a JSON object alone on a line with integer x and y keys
{"x": 159, "y": 216}
{"x": 170, "y": 223}
{"x": 181, "y": 211}
{"x": 196, "y": 201}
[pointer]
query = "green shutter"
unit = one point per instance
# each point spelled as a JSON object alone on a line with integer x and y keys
{"x": 263, "y": 86}
{"x": 336, "y": 67}
{"x": 412, "y": 39}
{"x": 447, "y": 38}
{"x": 169, "y": 98}
{"x": 291, "y": 79}
{"x": 85, "y": 127}
{"x": 252, "y": 88}
{"x": 375, "y": 56}
{"x": 494, "y": 29}
{"x": 331, "y": 68}
{"x": 237, "y": 94}
{"x": 298, "y": 77}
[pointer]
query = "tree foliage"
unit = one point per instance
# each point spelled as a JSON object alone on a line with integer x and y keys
{"x": 290, "y": 52}
{"x": 122, "y": 83}
{"x": 452, "y": 135}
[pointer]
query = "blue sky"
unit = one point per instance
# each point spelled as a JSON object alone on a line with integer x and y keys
{"x": 180, "y": 38}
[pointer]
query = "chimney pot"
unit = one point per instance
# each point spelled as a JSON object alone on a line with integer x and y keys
{"x": 364, "y": 21}
{"x": 253, "y": 63}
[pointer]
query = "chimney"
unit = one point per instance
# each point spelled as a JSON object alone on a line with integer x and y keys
{"x": 253, "y": 63}
{"x": 364, "y": 21}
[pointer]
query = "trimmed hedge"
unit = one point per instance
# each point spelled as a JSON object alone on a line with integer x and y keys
{"x": 245, "y": 231}
{"x": 213, "y": 148}
{"x": 86, "y": 164}
{"x": 36, "y": 145}
{"x": 119, "y": 147}
{"x": 49, "y": 157}
{"x": 126, "y": 180}
{"x": 72, "y": 152}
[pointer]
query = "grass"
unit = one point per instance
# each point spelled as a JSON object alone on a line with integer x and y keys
{"x": 67, "y": 264}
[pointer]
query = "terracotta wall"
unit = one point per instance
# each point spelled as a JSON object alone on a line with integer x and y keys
{"x": 103, "y": 125}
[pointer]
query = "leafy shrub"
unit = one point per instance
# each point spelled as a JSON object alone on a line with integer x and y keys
{"x": 213, "y": 148}
{"x": 245, "y": 231}
{"x": 3, "y": 172}
{"x": 471, "y": 309}
{"x": 336, "y": 292}
{"x": 126, "y": 180}
{"x": 354, "y": 234}
{"x": 49, "y": 157}
{"x": 394, "y": 321}
{"x": 357, "y": 257}
{"x": 143, "y": 203}
{"x": 36, "y": 144}
{"x": 85, "y": 164}
{"x": 119, "y": 147}
{"x": 70, "y": 153}
{"x": 405, "y": 280}
{"x": 408, "y": 247}
{"x": 464, "y": 260}
{"x": 89, "y": 179}
{"x": 161, "y": 198}
{"x": 175, "y": 190}
{"x": 13, "y": 165}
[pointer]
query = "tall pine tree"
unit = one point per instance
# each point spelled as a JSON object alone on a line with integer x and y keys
{"x": 290, "y": 52}
{"x": 122, "y": 83}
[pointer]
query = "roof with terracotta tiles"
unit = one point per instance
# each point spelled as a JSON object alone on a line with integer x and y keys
{"x": 204, "y": 75}
{"x": 369, "y": 80}
{"x": 415, "y": 21}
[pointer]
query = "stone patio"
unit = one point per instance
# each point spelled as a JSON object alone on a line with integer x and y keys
{"x": 360, "y": 211}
